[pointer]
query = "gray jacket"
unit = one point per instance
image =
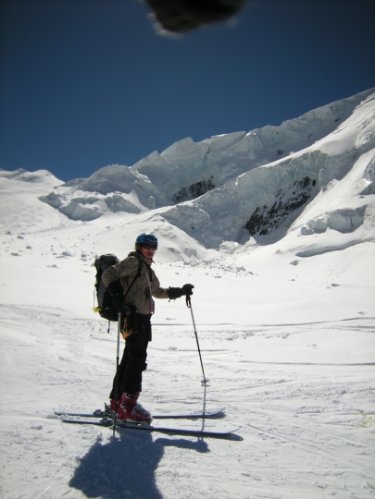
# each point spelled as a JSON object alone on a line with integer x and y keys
{"x": 145, "y": 285}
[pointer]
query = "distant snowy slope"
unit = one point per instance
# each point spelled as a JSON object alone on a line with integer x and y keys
{"x": 221, "y": 164}
{"x": 28, "y": 214}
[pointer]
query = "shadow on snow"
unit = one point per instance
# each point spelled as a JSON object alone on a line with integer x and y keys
{"x": 125, "y": 466}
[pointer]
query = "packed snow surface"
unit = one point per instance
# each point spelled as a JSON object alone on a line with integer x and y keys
{"x": 279, "y": 243}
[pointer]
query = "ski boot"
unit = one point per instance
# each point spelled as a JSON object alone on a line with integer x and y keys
{"x": 130, "y": 411}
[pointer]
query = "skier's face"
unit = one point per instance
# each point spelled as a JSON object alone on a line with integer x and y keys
{"x": 148, "y": 252}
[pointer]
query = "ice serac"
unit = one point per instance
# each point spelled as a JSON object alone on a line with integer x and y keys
{"x": 264, "y": 202}
{"x": 245, "y": 187}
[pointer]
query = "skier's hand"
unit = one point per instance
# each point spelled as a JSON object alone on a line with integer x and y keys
{"x": 128, "y": 310}
{"x": 187, "y": 289}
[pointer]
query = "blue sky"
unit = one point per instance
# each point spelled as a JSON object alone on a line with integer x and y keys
{"x": 86, "y": 83}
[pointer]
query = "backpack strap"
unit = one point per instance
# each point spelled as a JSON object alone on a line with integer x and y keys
{"x": 135, "y": 277}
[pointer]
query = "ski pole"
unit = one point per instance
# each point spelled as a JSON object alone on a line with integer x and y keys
{"x": 188, "y": 304}
{"x": 116, "y": 376}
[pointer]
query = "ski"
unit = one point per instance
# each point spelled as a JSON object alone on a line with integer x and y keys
{"x": 106, "y": 413}
{"x": 107, "y": 423}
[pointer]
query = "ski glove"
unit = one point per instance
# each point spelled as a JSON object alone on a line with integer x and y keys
{"x": 187, "y": 290}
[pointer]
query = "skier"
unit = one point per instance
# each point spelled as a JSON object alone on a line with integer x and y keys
{"x": 132, "y": 284}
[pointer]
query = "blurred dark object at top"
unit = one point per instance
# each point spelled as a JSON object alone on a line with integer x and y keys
{"x": 185, "y": 15}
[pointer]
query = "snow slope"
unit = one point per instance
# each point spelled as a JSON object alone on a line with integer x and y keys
{"x": 285, "y": 321}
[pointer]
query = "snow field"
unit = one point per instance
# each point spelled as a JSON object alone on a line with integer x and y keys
{"x": 300, "y": 392}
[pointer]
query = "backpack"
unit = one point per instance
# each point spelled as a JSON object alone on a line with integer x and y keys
{"x": 105, "y": 307}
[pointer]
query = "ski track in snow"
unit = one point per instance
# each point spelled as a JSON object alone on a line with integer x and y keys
{"x": 308, "y": 427}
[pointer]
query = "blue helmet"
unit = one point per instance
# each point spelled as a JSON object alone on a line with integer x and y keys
{"x": 147, "y": 240}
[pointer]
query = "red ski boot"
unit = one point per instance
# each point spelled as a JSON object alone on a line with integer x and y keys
{"x": 130, "y": 411}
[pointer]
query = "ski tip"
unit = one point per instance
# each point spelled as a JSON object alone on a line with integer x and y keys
{"x": 53, "y": 416}
{"x": 235, "y": 437}
{"x": 220, "y": 413}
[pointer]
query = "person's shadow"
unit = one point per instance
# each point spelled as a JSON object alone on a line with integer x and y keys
{"x": 125, "y": 467}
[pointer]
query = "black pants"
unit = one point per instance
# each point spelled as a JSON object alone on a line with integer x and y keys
{"x": 128, "y": 377}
